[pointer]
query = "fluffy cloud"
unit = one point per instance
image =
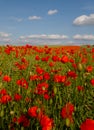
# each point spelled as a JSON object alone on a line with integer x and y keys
{"x": 83, "y": 37}
{"x": 5, "y": 37}
{"x": 34, "y": 18}
{"x": 44, "y": 36}
{"x": 43, "y": 39}
{"x": 51, "y": 12}
{"x": 84, "y": 20}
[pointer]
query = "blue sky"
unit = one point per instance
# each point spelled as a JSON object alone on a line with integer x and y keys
{"x": 47, "y": 22}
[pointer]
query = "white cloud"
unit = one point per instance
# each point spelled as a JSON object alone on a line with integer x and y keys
{"x": 57, "y": 36}
{"x": 43, "y": 39}
{"x": 34, "y": 18}
{"x": 51, "y": 12}
{"x": 83, "y": 37}
{"x": 44, "y": 36}
{"x": 5, "y": 37}
{"x": 84, "y": 20}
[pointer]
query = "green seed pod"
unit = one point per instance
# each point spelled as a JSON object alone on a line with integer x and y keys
{"x": 55, "y": 89}
{"x": 67, "y": 122}
{"x": 80, "y": 67}
{"x": 2, "y": 113}
{"x": 19, "y": 89}
{"x": 22, "y": 128}
{"x": 51, "y": 101}
{"x": 60, "y": 101}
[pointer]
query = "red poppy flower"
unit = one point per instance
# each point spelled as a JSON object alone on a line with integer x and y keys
{"x": 88, "y": 124}
{"x": 46, "y": 76}
{"x": 84, "y": 60}
{"x": 39, "y": 70}
{"x": 55, "y": 58}
{"x": 72, "y": 74}
{"x": 24, "y": 120}
{"x": 32, "y": 111}
{"x": 22, "y": 82}
{"x": 17, "y": 97}
{"x": 67, "y": 83}
{"x": 22, "y": 66}
{"x": 6, "y": 78}
{"x": 74, "y": 65}
{"x": 46, "y": 96}
{"x": 33, "y": 77}
{"x": 64, "y": 59}
{"x": 92, "y": 50}
{"x": 51, "y": 64}
{"x": 37, "y": 57}
{"x": 46, "y": 123}
{"x": 59, "y": 78}
{"x": 89, "y": 68}
{"x": 92, "y": 81}
{"x": 40, "y": 77}
{"x": 80, "y": 88}
{"x": 24, "y": 60}
{"x": 41, "y": 88}
{"x": 5, "y": 99}
{"x": 7, "y": 50}
{"x": 67, "y": 110}
{"x": 14, "y": 119}
{"x": 45, "y": 58}
{"x": 71, "y": 60}
{"x": 3, "y": 91}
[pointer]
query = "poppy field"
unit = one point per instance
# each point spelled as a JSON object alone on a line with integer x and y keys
{"x": 46, "y": 88}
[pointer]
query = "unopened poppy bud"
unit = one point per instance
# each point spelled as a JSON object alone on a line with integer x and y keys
{"x": 80, "y": 67}
{"x": 19, "y": 89}
{"x": 2, "y": 113}
{"x": 60, "y": 101}
{"x": 51, "y": 101}
{"x": 55, "y": 90}
{"x": 67, "y": 122}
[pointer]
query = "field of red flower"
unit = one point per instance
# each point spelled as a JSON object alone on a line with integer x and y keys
{"x": 46, "y": 88}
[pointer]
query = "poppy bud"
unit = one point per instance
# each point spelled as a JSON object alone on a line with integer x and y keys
{"x": 67, "y": 122}
{"x": 80, "y": 67}
{"x": 51, "y": 101}
{"x": 2, "y": 113}
{"x": 55, "y": 89}
{"x": 19, "y": 89}
{"x": 60, "y": 101}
